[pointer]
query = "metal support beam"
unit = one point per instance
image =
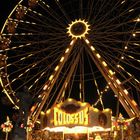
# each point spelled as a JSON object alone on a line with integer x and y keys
{"x": 39, "y": 107}
{"x": 132, "y": 109}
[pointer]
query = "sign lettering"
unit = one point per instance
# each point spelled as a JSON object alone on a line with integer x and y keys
{"x": 63, "y": 118}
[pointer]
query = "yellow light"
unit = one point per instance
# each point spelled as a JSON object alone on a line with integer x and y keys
{"x": 125, "y": 91}
{"x": 134, "y": 34}
{"x": 98, "y": 55}
{"x": 48, "y": 111}
{"x": 107, "y": 87}
{"x": 56, "y": 68}
{"x": 118, "y": 66}
{"x": 51, "y": 77}
{"x": 126, "y": 47}
{"x": 134, "y": 103}
{"x": 107, "y": 110}
{"x": 66, "y": 130}
{"x": 87, "y": 41}
{"x": 83, "y": 104}
{"x": 67, "y": 50}
{"x": 118, "y": 81}
{"x": 69, "y": 100}
{"x": 111, "y": 72}
{"x": 138, "y": 19}
{"x": 45, "y": 87}
{"x": 123, "y": 2}
{"x": 58, "y": 105}
{"x": 95, "y": 109}
{"x": 115, "y": 85}
{"x": 71, "y": 43}
{"x": 62, "y": 58}
{"x": 38, "y": 122}
{"x": 92, "y": 48}
{"x": 42, "y": 113}
{"x": 104, "y": 63}
{"x": 131, "y": 10}
{"x": 81, "y": 35}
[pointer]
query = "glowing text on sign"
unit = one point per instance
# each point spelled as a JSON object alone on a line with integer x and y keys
{"x": 62, "y": 118}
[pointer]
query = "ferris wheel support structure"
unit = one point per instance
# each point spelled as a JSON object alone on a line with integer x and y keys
{"x": 130, "y": 106}
{"x": 65, "y": 84}
{"x": 52, "y": 79}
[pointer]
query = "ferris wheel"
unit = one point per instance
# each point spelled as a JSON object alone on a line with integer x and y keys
{"x": 87, "y": 50}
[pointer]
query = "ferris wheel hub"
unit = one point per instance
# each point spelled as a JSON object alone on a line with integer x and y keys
{"x": 78, "y": 29}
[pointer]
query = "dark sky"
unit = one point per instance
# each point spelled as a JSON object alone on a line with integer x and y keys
{"x": 5, "y": 7}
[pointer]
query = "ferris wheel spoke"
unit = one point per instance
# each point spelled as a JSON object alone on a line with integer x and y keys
{"x": 94, "y": 79}
{"x": 102, "y": 7}
{"x": 115, "y": 67}
{"x": 102, "y": 20}
{"x": 111, "y": 27}
{"x": 128, "y": 73}
{"x": 24, "y": 45}
{"x": 27, "y": 70}
{"x": 31, "y": 54}
{"x": 68, "y": 71}
{"x": 63, "y": 11}
{"x": 43, "y": 19}
{"x": 35, "y": 30}
{"x": 37, "y": 25}
{"x": 122, "y": 60}
{"x": 114, "y": 27}
{"x": 81, "y": 8}
{"x": 122, "y": 14}
{"x": 53, "y": 77}
{"x": 97, "y": 58}
{"x": 52, "y": 13}
{"x": 26, "y": 55}
{"x": 42, "y": 27}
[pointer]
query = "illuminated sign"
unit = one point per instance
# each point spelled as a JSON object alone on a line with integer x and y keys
{"x": 63, "y": 118}
{"x": 72, "y": 113}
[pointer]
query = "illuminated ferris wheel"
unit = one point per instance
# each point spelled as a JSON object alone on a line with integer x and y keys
{"x": 87, "y": 50}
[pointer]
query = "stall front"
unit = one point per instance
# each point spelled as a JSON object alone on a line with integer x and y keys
{"x": 76, "y": 120}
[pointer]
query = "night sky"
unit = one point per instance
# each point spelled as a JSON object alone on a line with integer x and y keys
{"x": 5, "y": 8}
